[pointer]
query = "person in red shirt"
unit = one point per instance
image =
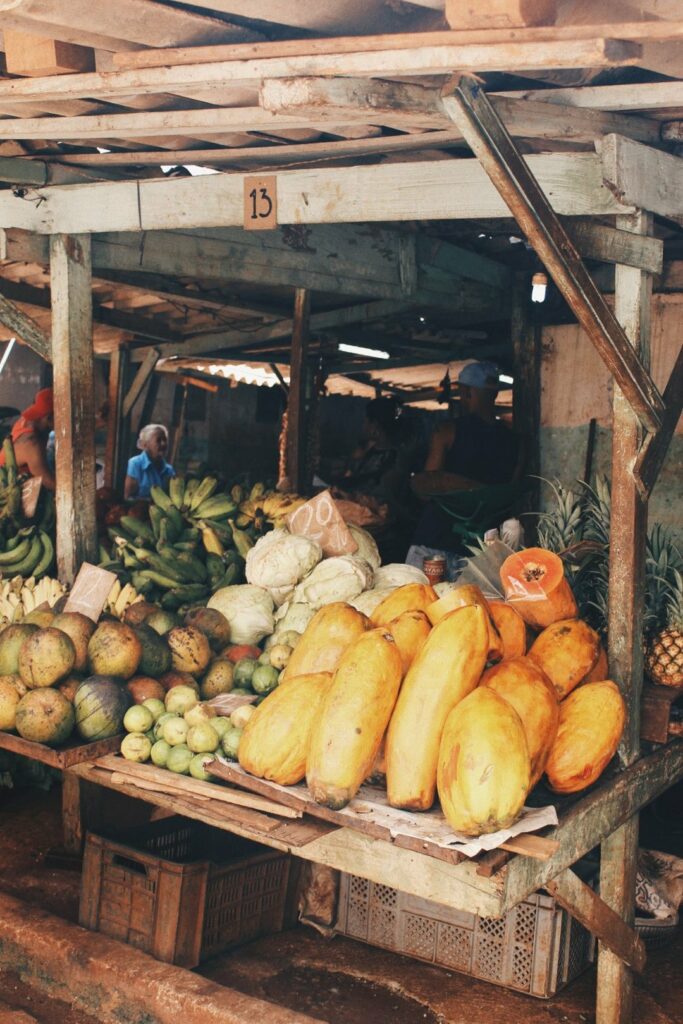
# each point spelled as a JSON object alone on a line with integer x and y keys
{"x": 30, "y": 435}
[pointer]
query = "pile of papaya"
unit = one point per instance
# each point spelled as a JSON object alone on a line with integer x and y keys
{"x": 456, "y": 697}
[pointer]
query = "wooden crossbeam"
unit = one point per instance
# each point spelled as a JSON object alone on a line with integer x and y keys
{"x": 25, "y": 327}
{"x": 610, "y": 245}
{"x": 653, "y": 452}
{"x": 419, "y": 59}
{"x": 401, "y": 104}
{"x": 642, "y": 176}
{"x": 589, "y": 910}
{"x": 470, "y": 109}
{"x": 442, "y": 189}
{"x": 292, "y": 48}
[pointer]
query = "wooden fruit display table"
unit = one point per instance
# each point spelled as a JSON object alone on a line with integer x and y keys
{"x": 72, "y": 752}
{"x": 489, "y": 885}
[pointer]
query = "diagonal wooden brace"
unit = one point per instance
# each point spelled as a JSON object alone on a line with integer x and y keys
{"x": 26, "y": 328}
{"x": 468, "y": 107}
{"x": 590, "y": 911}
{"x": 653, "y": 452}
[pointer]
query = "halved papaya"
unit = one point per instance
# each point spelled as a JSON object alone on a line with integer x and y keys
{"x": 512, "y": 629}
{"x": 534, "y": 583}
{"x": 466, "y": 596}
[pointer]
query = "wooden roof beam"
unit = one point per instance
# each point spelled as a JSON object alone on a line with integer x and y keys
{"x": 419, "y": 60}
{"x": 643, "y": 177}
{"x": 471, "y": 111}
{"x": 339, "y": 259}
{"x": 401, "y": 105}
{"x": 446, "y": 189}
{"x": 631, "y": 30}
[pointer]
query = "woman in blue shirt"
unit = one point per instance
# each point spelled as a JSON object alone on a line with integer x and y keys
{"x": 149, "y": 468}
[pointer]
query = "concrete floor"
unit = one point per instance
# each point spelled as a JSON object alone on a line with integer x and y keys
{"x": 337, "y": 980}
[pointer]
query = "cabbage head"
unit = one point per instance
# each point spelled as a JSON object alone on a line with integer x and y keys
{"x": 334, "y": 579}
{"x": 279, "y": 560}
{"x": 397, "y": 575}
{"x": 293, "y": 616}
{"x": 367, "y": 602}
{"x": 367, "y": 548}
{"x": 248, "y": 609}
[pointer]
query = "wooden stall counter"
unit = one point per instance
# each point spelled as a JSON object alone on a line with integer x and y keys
{"x": 488, "y": 885}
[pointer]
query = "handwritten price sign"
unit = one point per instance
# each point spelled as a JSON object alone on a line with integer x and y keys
{"x": 320, "y": 520}
{"x": 90, "y": 591}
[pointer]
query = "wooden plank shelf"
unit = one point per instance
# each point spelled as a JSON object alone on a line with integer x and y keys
{"x": 71, "y": 753}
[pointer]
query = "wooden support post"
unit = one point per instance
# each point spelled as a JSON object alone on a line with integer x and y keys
{"x": 74, "y": 387}
{"x": 526, "y": 359}
{"x": 141, "y": 377}
{"x": 468, "y": 106}
{"x": 628, "y": 532}
{"x": 296, "y": 406}
{"x": 117, "y": 374}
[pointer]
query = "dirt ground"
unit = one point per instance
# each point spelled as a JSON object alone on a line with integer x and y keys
{"x": 335, "y": 980}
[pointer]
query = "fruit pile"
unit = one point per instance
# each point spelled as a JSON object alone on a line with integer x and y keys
{"x": 452, "y": 694}
{"x": 19, "y": 597}
{"x": 190, "y": 547}
{"x": 178, "y": 729}
{"x": 25, "y": 550}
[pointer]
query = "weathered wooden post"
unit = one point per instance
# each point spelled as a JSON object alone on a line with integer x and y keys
{"x": 628, "y": 533}
{"x": 74, "y": 388}
{"x": 296, "y": 406}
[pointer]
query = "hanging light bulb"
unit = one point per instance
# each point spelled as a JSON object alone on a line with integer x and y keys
{"x": 539, "y": 286}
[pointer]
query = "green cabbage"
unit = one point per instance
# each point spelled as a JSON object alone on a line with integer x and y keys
{"x": 334, "y": 579}
{"x": 248, "y": 609}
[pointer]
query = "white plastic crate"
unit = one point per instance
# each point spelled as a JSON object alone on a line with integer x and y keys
{"x": 536, "y": 948}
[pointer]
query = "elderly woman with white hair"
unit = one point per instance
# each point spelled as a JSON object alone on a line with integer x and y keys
{"x": 149, "y": 468}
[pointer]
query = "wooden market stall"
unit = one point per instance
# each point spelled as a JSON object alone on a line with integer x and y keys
{"x": 326, "y": 130}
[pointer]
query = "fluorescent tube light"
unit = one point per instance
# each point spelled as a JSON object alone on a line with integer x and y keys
{"x": 358, "y": 350}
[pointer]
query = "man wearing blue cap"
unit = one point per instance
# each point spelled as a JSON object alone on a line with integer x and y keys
{"x": 473, "y": 451}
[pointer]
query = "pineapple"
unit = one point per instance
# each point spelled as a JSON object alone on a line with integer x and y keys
{"x": 664, "y": 653}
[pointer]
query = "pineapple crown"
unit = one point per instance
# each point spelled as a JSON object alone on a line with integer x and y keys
{"x": 573, "y": 518}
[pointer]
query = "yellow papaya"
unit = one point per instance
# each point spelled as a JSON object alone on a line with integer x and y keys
{"x": 413, "y": 597}
{"x": 534, "y": 581}
{"x": 352, "y": 719}
{"x": 410, "y": 631}
{"x": 275, "y": 741}
{"x": 592, "y": 720}
{"x": 524, "y": 685}
{"x": 325, "y": 639}
{"x": 566, "y": 651}
{"x": 447, "y": 668}
{"x": 511, "y": 627}
{"x": 461, "y": 597}
{"x": 484, "y": 770}
{"x": 600, "y": 669}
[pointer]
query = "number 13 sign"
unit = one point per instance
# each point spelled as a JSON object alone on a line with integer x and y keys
{"x": 260, "y": 203}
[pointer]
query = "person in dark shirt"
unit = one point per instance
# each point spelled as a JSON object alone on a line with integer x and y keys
{"x": 474, "y": 451}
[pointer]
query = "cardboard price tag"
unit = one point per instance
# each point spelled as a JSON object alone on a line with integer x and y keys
{"x": 260, "y": 203}
{"x": 320, "y": 520}
{"x": 90, "y": 591}
{"x": 30, "y": 492}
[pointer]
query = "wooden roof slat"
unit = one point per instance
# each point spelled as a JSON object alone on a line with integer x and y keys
{"x": 419, "y": 60}
{"x": 635, "y": 31}
{"x": 133, "y": 23}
